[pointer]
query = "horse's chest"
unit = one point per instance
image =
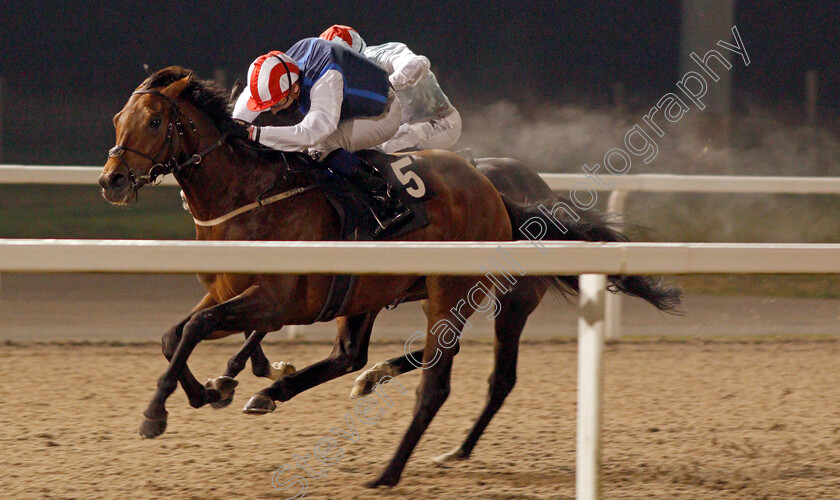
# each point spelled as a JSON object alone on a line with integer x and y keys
{"x": 221, "y": 287}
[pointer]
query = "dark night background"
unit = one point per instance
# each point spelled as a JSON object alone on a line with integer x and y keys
{"x": 69, "y": 66}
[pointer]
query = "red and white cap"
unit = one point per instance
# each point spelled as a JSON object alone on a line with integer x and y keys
{"x": 344, "y": 35}
{"x": 270, "y": 78}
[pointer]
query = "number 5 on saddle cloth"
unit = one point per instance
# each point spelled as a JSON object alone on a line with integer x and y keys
{"x": 381, "y": 196}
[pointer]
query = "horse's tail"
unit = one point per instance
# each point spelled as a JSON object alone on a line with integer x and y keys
{"x": 588, "y": 226}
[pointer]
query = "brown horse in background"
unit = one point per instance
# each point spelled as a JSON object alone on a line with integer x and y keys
{"x": 175, "y": 123}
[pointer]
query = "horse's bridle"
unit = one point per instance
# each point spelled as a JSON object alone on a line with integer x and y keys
{"x": 170, "y": 166}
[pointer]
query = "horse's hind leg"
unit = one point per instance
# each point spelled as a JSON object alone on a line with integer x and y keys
{"x": 442, "y": 344}
{"x": 348, "y": 355}
{"x": 261, "y": 367}
{"x": 394, "y": 367}
{"x": 516, "y": 307}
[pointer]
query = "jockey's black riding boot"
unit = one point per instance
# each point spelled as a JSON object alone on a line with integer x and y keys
{"x": 386, "y": 206}
{"x": 391, "y": 210}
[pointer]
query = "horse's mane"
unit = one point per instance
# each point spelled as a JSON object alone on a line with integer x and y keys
{"x": 211, "y": 99}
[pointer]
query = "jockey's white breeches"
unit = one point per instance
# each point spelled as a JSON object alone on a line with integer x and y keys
{"x": 365, "y": 133}
{"x": 437, "y": 133}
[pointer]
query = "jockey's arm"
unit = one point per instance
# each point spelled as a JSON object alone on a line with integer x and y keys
{"x": 326, "y": 97}
{"x": 404, "y": 67}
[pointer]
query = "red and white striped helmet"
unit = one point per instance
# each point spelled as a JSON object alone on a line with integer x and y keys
{"x": 270, "y": 78}
{"x": 344, "y": 35}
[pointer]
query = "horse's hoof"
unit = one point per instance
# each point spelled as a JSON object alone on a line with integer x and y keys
{"x": 225, "y": 386}
{"x": 280, "y": 370}
{"x": 222, "y": 403}
{"x": 361, "y": 388}
{"x": 382, "y": 481}
{"x": 152, "y": 428}
{"x": 367, "y": 381}
{"x": 259, "y": 405}
{"x": 453, "y": 456}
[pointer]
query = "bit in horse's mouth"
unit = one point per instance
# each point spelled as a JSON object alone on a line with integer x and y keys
{"x": 129, "y": 196}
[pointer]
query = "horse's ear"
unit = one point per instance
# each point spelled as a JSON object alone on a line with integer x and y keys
{"x": 174, "y": 89}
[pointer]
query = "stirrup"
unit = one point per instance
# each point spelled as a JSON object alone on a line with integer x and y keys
{"x": 392, "y": 222}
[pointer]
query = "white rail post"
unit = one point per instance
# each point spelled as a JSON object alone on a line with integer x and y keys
{"x": 612, "y": 303}
{"x": 811, "y": 111}
{"x": 293, "y": 331}
{"x": 1, "y": 117}
{"x": 590, "y": 370}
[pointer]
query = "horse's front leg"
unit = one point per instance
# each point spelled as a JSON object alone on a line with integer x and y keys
{"x": 261, "y": 367}
{"x": 349, "y": 354}
{"x": 196, "y": 393}
{"x": 251, "y": 309}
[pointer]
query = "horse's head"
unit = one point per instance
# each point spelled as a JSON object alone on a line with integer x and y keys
{"x": 150, "y": 137}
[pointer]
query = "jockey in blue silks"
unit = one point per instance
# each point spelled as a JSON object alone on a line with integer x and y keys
{"x": 347, "y": 105}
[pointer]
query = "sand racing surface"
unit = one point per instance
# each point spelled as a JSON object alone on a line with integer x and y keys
{"x": 744, "y": 416}
{"x": 681, "y": 420}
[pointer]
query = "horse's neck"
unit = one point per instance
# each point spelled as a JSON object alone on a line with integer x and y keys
{"x": 223, "y": 182}
{"x": 229, "y": 179}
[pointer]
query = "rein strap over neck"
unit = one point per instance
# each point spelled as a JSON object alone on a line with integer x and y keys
{"x": 259, "y": 203}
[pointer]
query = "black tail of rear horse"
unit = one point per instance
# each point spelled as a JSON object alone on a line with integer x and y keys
{"x": 589, "y": 226}
{"x": 527, "y": 199}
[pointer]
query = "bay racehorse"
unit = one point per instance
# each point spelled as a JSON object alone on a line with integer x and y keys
{"x": 174, "y": 123}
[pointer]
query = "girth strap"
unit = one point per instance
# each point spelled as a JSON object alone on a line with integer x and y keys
{"x": 342, "y": 285}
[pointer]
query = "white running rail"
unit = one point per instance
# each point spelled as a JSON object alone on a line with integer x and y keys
{"x": 618, "y": 185}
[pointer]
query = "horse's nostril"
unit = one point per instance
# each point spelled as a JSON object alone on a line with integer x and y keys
{"x": 117, "y": 181}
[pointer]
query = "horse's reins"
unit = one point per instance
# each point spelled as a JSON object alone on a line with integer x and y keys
{"x": 172, "y": 166}
{"x": 259, "y": 203}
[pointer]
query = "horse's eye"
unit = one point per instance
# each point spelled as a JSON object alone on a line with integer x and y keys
{"x": 155, "y": 123}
